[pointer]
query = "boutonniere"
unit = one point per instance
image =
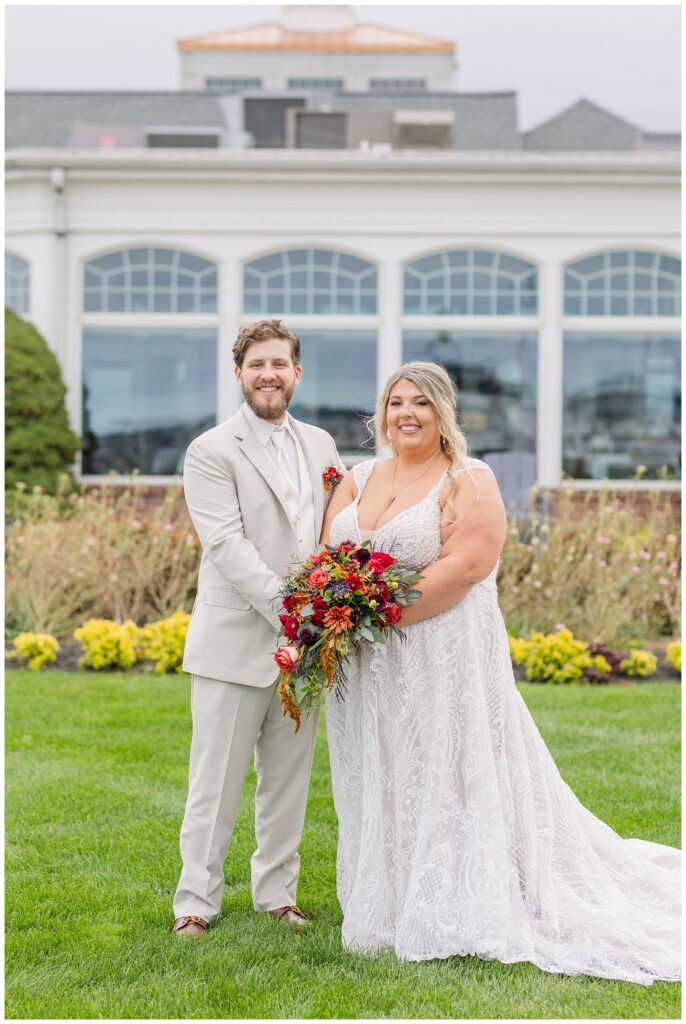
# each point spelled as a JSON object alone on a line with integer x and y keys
{"x": 331, "y": 477}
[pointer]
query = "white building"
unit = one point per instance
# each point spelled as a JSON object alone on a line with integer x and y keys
{"x": 319, "y": 47}
{"x": 541, "y": 268}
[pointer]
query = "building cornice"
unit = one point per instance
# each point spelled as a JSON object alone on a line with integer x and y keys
{"x": 347, "y": 165}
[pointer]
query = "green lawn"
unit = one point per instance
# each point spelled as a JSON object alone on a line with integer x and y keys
{"x": 96, "y": 772}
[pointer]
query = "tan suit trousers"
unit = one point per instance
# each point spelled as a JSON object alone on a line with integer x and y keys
{"x": 229, "y": 721}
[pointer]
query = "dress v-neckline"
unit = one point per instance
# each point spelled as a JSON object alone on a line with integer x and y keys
{"x": 377, "y": 529}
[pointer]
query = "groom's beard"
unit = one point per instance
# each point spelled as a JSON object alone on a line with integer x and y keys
{"x": 267, "y": 409}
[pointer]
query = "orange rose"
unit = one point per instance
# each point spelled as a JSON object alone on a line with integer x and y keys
{"x": 287, "y": 658}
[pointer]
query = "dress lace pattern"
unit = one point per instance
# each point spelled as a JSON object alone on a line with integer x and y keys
{"x": 457, "y": 834}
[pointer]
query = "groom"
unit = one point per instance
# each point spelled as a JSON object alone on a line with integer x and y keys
{"x": 255, "y": 493}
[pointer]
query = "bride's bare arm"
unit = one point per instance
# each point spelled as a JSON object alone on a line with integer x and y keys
{"x": 344, "y": 495}
{"x": 471, "y": 546}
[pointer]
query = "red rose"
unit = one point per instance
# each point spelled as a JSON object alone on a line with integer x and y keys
{"x": 286, "y": 658}
{"x": 393, "y": 612}
{"x": 319, "y": 578}
{"x": 291, "y": 625}
{"x": 354, "y": 581}
{"x": 380, "y": 561}
{"x": 319, "y": 610}
{"x": 289, "y": 602}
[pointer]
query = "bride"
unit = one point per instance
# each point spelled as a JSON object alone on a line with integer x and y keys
{"x": 457, "y": 834}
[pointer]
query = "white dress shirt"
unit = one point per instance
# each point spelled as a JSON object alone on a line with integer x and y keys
{"x": 263, "y": 431}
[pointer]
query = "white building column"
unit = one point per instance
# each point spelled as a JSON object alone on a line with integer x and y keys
{"x": 230, "y": 308}
{"x": 389, "y": 354}
{"x": 549, "y": 385}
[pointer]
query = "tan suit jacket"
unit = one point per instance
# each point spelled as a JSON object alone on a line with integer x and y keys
{"x": 238, "y": 507}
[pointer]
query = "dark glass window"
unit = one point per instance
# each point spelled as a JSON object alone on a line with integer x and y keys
{"x": 338, "y": 386}
{"x": 146, "y": 395}
{"x": 495, "y": 376}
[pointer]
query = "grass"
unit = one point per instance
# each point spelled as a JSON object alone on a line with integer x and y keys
{"x": 97, "y": 769}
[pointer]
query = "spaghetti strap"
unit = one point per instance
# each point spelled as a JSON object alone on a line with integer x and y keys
{"x": 361, "y": 474}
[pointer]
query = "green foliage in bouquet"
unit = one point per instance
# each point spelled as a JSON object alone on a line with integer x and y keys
{"x": 39, "y": 443}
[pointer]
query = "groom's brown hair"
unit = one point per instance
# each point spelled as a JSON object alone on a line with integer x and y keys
{"x": 263, "y": 330}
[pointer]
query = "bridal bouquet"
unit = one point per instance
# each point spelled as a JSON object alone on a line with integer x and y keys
{"x": 337, "y": 599}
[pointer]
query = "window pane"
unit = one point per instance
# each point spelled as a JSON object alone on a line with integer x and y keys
{"x": 495, "y": 375}
{"x": 17, "y": 284}
{"x": 622, "y": 284}
{"x": 622, "y": 404}
{"x": 338, "y": 386}
{"x": 471, "y": 290}
{"x": 146, "y": 395}
{"x": 129, "y": 282}
{"x": 312, "y": 281}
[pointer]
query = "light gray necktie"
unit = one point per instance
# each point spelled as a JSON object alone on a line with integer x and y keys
{"x": 283, "y": 464}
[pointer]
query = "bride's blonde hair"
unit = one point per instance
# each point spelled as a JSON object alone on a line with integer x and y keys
{"x": 435, "y": 384}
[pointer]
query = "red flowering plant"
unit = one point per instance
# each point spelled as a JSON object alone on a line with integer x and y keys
{"x": 335, "y": 601}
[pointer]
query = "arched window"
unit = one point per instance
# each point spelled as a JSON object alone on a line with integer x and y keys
{"x": 470, "y": 282}
{"x": 150, "y": 280}
{"x": 147, "y": 390}
{"x": 630, "y": 283}
{"x": 338, "y": 388}
{"x": 310, "y": 281}
{"x": 17, "y": 284}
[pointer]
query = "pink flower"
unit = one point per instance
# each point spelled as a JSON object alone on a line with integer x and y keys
{"x": 663, "y": 581}
{"x": 286, "y": 658}
{"x": 660, "y": 554}
{"x": 635, "y": 568}
{"x": 319, "y": 578}
{"x": 602, "y": 564}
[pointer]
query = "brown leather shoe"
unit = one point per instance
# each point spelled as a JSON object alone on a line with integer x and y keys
{"x": 291, "y": 915}
{"x": 190, "y": 925}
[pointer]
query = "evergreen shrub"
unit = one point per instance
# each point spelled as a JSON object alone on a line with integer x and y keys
{"x": 39, "y": 443}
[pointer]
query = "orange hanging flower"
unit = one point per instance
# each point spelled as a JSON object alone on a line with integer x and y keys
{"x": 338, "y": 619}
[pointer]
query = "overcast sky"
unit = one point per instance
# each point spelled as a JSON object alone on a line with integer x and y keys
{"x": 623, "y": 57}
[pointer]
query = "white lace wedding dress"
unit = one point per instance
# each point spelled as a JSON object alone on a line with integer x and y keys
{"x": 457, "y": 834}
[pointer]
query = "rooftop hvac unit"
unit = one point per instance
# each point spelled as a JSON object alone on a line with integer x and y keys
{"x": 423, "y": 129}
{"x": 183, "y": 138}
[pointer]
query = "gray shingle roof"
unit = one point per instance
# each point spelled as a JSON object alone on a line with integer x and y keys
{"x": 583, "y": 126}
{"x": 483, "y": 120}
{"x": 45, "y": 119}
